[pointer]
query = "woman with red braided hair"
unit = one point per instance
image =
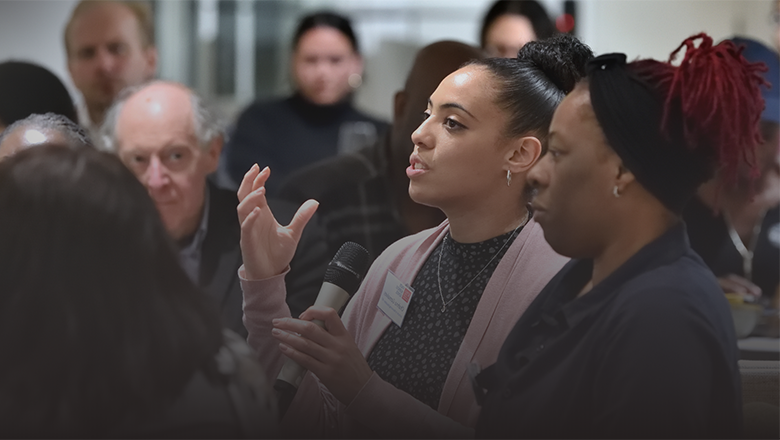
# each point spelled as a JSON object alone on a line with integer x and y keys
{"x": 633, "y": 337}
{"x": 734, "y": 222}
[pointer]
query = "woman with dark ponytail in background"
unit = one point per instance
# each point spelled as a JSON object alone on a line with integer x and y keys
{"x": 632, "y": 338}
{"x": 468, "y": 280}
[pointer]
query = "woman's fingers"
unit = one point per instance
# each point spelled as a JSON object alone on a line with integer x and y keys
{"x": 301, "y": 358}
{"x": 306, "y": 329}
{"x": 253, "y": 180}
{"x": 246, "y": 183}
{"x": 304, "y": 347}
{"x": 306, "y": 336}
{"x": 302, "y": 217}
{"x": 261, "y": 178}
{"x": 255, "y": 199}
{"x": 328, "y": 316}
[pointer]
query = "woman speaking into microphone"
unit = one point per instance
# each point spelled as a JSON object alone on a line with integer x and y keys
{"x": 435, "y": 302}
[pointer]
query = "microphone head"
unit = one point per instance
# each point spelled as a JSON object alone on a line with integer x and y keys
{"x": 348, "y": 267}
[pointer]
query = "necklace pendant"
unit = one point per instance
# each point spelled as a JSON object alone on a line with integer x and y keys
{"x": 443, "y": 308}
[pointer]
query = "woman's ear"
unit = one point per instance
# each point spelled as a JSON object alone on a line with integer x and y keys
{"x": 623, "y": 178}
{"x": 523, "y": 154}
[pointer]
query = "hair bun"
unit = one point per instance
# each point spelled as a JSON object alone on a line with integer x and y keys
{"x": 562, "y": 58}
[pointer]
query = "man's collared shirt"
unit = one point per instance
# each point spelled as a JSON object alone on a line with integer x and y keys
{"x": 191, "y": 253}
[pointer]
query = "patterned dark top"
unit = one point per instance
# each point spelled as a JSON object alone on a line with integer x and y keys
{"x": 356, "y": 200}
{"x": 417, "y": 357}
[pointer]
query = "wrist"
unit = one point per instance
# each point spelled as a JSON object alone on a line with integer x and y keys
{"x": 247, "y": 274}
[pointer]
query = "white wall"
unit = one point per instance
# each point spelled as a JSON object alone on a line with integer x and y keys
{"x": 32, "y": 30}
{"x": 653, "y": 28}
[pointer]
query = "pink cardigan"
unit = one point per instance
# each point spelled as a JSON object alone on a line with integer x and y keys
{"x": 380, "y": 409}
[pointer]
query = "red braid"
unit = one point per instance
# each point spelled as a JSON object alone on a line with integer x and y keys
{"x": 719, "y": 96}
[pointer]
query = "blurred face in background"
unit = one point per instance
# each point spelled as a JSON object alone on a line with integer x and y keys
{"x": 322, "y": 64}
{"x": 767, "y": 186}
{"x": 155, "y": 134}
{"x": 507, "y": 34}
{"x": 107, "y": 53}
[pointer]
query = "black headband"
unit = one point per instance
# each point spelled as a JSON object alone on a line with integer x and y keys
{"x": 630, "y": 115}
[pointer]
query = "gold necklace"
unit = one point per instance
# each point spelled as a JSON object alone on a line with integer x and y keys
{"x": 444, "y": 304}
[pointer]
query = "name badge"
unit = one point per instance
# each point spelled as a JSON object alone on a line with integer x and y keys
{"x": 395, "y": 298}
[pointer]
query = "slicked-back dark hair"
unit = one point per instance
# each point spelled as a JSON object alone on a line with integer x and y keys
{"x": 326, "y": 19}
{"x": 99, "y": 325}
{"x": 535, "y": 12}
{"x": 530, "y": 87}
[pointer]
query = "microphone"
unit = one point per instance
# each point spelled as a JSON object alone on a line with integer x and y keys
{"x": 342, "y": 279}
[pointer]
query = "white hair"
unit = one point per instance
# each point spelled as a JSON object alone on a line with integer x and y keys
{"x": 207, "y": 127}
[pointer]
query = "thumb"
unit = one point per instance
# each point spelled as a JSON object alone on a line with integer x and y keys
{"x": 302, "y": 217}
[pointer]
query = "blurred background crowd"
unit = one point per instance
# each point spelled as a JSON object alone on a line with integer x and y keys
{"x": 234, "y": 51}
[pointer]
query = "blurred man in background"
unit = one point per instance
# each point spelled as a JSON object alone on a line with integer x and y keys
{"x": 109, "y": 46}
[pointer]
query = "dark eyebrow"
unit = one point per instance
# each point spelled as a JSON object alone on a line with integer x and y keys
{"x": 453, "y": 105}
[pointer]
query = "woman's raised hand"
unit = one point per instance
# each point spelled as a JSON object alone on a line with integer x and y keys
{"x": 266, "y": 246}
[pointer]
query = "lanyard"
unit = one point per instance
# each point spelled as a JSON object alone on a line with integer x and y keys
{"x": 745, "y": 252}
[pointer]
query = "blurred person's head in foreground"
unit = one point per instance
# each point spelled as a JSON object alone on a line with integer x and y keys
{"x": 171, "y": 142}
{"x": 637, "y": 139}
{"x": 109, "y": 46}
{"x": 326, "y": 62}
{"x": 27, "y": 88}
{"x": 101, "y": 328}
{"x": 40, "y": 130}
{"x": 509, "y": 24}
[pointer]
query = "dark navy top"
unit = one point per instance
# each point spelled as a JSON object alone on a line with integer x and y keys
{"x": 649, "y": 352}
{"x": 290, "y": 133}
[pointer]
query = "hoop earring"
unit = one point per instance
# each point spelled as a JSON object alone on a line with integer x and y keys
{"x": 615, "y": 191}
{"x": 355, "y": 80}
{"x": 508, "y": 177}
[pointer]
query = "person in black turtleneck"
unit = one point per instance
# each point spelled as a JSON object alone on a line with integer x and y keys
{"x": 318, "y": 120}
